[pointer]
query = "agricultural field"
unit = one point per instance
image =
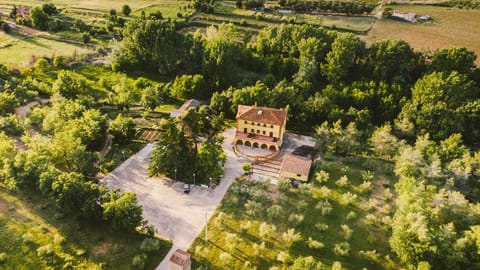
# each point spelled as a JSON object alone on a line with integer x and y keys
{"x": 450, "y": 27}
{"x": 35, "y": 235}
{"x": 342, "y": 218}
{"x": 167, "y": 7}
{"x": 17, "y": 50}
{"x": 226, "y": 11}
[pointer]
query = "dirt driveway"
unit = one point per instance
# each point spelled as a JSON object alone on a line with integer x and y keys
{"x": 177, "y": 216}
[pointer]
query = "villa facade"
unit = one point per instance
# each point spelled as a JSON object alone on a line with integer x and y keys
{"x": 260, "y": 127}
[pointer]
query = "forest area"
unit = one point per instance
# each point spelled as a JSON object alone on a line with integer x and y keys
{"x": 418, "y": 112}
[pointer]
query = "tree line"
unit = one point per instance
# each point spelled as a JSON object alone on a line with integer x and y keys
{"x": 320, "y": 75}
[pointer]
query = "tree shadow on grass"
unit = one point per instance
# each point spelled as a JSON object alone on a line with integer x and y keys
{"x": 100, "y": 243}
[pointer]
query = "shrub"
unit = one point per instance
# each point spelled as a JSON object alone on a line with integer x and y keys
{"x": 244, "y": 226}
{"x": 347, "y": 232}
{"x": 370, "y": 219}
{"x": 266, "y": 230}
{"x": 28, "y": 238}
{"x": 351, "y": 215}
{"x": 342, "y": 181}
{"x": 283, "y": 257}
{"x": 324, "y": 192}
{"x": 321, "y": 227}
{"x": 290, "y": 236}
{"x": 139, "y": 261}
{"x": 150, "y": 245}
{"x": 247, "y": 168}
{"x": 342, "y": 249}
{"x": 41, "y": 65}
{"x": 3, "y": 257}
{"x": 325, "y": 207}
{"x": 58, "y": 239}
{"x": 365, "y": 187}
{"x": 367, "y": 176}
{"x": 231, "y": 240}
{"x": 58, "y": 61}
{"x": 347, "y": 198}
{"x": 258, "y": 249}
{"x": 387, "y": 195}
{"x": 45, "y": 250}
{"x": 274, "y": 211}
{"x": 226, "y": 257}
{"x": 201, "y": 251}
{"x": 314, "y": 244}
{"x": 254, "y": 209}
{"x": 295, "y": 219}
{"x": 284, "y": 185}
{"x": 305, "y": 189}
{"x": 337, "y": 265}
{"x": 322, "y": 177}
{"x": 281, "y": 198}
{"x": 11, "y": 125}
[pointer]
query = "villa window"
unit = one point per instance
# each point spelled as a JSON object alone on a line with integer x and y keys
{"x": 271, "y": 134}
{"x": 245, "y": 130}
{"x": 253, "y": 130}
{"x": 271, "y": 126}
{"x": 299, "y": 175}
{"x": 258, "y": 124}
{"x": 264, "y": 132}
{"x": 265, "y": 125}
{"x": 246, "y": 122}
{"x": 258, "y": 131}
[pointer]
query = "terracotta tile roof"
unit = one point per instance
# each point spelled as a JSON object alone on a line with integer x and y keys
{"x": 180, "y": 257}
{"x": 295, "y": 164}
{"x": 261, "y": 114}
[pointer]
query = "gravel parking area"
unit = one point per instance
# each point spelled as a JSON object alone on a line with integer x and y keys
{"x": 177, "y": 216}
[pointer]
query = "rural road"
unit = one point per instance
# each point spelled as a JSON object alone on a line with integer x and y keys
{"x": 177, "y": 216}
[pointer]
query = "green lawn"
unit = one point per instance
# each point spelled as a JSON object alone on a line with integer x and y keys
{"x": 450, "y": 27}
{"x": 18, "y": 51}
{"x": 335, "y": 222}
{"x": 36, "y": 236}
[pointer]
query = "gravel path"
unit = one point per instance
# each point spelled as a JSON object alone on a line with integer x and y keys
{"x": 177, "y": 216}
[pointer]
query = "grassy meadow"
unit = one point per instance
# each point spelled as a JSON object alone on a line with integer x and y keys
{"x": 17, "y": 50}
{"x": 102, "y": 5}
{"x": 336, "y": 219}
{"x": 450, "y": 27}
{"x": 226, "y": 12}
{"x": 35, "y": 236}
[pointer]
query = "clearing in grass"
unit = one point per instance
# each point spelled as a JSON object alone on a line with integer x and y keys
{"x": 17, "y": 50}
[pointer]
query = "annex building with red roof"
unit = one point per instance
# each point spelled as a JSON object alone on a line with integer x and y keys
{"x": 260, "y": 127}
{"x": 295, "y": 167}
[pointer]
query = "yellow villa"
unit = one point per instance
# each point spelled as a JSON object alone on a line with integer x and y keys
{"x": 260, "y": 127}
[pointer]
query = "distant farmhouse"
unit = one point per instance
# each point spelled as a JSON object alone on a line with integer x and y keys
{"x": 191, "y": 103}
{"x": 23, "y": 12}
{"x": 260, "y": 127}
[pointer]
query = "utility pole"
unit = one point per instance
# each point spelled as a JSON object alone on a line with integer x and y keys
{"x": 206, "y": 227}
